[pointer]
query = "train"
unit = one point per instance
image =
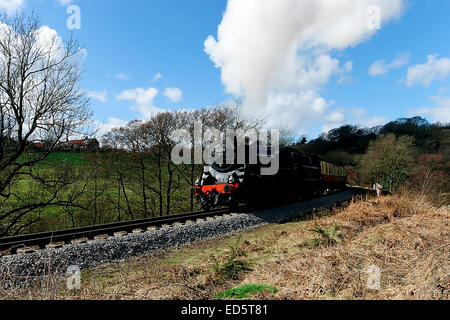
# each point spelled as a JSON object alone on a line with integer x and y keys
{"x": 300, "y": 175}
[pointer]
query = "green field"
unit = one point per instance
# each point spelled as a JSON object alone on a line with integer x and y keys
{"x": 103, "y": 189}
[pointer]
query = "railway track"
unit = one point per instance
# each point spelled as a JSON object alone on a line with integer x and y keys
{"x": 55, "y": 239}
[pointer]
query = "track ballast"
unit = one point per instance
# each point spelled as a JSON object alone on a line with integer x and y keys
{"x": 54, "y": 239}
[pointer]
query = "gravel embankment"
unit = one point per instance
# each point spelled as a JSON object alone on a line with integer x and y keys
{"x": 15, "y": 269}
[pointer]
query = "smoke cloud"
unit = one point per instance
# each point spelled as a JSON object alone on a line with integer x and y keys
{"x": 277, "y": 55}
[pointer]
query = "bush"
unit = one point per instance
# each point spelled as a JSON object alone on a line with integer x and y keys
{"x": 233, "y": 265}
{"x": 389, "y": 161}
{"x": 328, "y": 237}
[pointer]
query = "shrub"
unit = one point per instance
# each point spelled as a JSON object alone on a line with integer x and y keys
{"x": 328, "y": 236}
{"x": 389, "y": 161}
{"x": 234, "y": 265}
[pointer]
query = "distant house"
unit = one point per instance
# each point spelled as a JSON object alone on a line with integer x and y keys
{"x": 91, "y": 145}
{"x": 36, "y": 146}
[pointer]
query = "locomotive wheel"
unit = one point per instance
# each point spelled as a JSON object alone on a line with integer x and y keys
{"x": 206, "y": 206}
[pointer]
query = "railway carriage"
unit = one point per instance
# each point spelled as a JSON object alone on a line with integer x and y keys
{"x": 334, "y": 176}
{"x": 299, "y": 175}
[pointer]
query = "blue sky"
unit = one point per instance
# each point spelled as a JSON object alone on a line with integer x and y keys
{"x": 129, "y": 43}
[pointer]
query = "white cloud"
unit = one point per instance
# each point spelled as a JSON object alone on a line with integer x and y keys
{"x": 425, "y": 74}
{"x": 50, "y": 44}
{"x": 357, "y": 112}
{"x": 276, "y": 55}
{"x": 354, "y": 116}
{"x": 84, "y": 52}
{"x": 335, "y": 117}
{"x": 65, "y": 2}
{"x": 104, "y": 127}
{"x": 49, "y": 40}
{"x": 157, "y": 77}
{"x": 287, "y": 106}
{"x": 380, "y": 67}
{"x": 348, "y": 67}
{"x": 345, "y": 80}
{"x": 173, "y": 94}
{"x": 439, "y": 112}
{"x": 98, "y": 95}
{"x": 122, "y": 76}
{"x": 372, "y": 122}
{"x": 11, "y": 6}
{"x": 143, "y": 100}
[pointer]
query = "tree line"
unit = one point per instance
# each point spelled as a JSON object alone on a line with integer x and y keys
{"x": 406, "y": 153}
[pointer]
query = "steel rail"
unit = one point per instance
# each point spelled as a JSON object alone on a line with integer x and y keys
{"x": 43, "y": 239}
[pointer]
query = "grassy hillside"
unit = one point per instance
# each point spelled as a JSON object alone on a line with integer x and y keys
{"x": 70, "y": 158}
{"x": 95, "y": 192}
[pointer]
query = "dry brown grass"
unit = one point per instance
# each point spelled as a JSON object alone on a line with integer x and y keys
{"x": 407, "y": 239}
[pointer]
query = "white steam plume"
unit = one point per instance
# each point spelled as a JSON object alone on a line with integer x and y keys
{"x": 276, "y": 55}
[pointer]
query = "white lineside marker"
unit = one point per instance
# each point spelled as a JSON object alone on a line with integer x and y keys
{"x": 73, "y": 278}
{"x": 374, "y": 279}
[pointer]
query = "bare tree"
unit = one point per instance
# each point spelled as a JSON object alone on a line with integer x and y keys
{"x": 118, "y": 166}
{"x": 158, "y": 136}
{"x": 287, "y": 137}
{"x": 227, "y": 116}
{"x": 133, "y": 136}
{"x": 132, "y": 139}
{"x": 40, "y": 101}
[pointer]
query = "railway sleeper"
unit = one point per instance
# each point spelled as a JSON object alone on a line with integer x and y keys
{"x": 27, "y": 250}
{"x": 55, "y": 245}
{"x": 80, "y": 241}
{"x": 101, "y": 237}
{"x": 5, "y": 253}
{"x": 120, "y": 234}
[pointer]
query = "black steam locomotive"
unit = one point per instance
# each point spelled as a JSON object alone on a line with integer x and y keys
{"x": 299, "y": 175}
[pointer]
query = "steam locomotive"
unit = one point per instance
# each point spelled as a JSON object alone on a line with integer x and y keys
{"x": 299, "y": 175}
